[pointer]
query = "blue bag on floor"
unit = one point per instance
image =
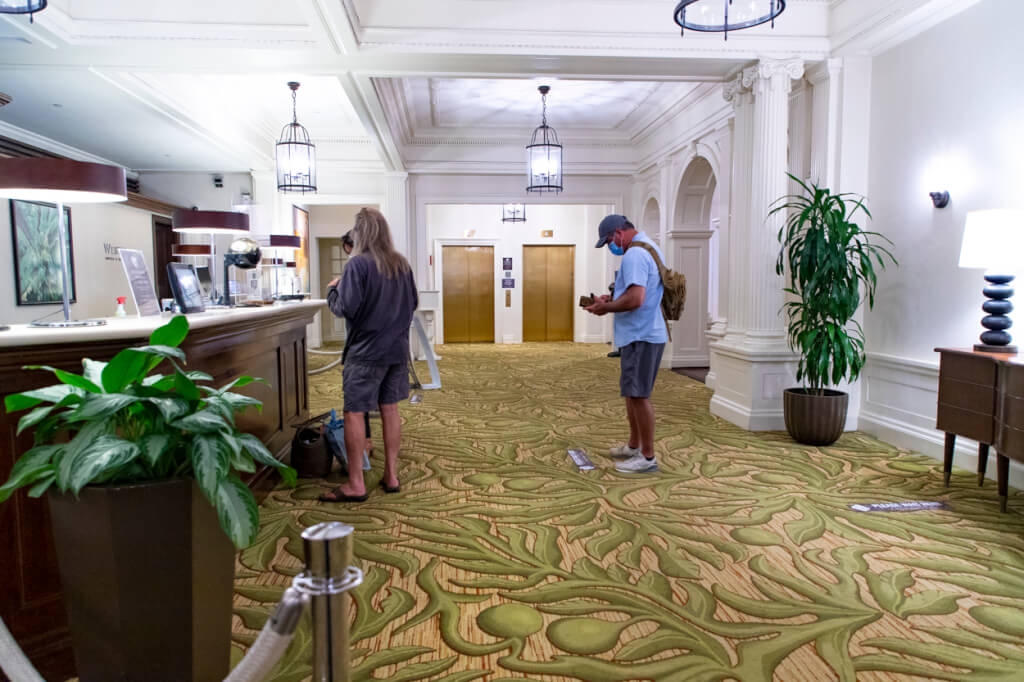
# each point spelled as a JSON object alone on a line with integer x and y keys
{"x": 334, "y": 432}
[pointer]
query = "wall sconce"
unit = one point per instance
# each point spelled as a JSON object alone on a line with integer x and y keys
{"x": 939, "y": 199}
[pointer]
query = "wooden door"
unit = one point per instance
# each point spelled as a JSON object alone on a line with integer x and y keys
{"x": 164, "y": 239}
{"x": 332, "y": 262}
{"x": 548, "y": 274}
{"x": 468, "y": 300}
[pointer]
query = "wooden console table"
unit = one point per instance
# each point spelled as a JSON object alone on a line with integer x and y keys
{"x": 981, "y": 396}
{"x": 268, "y": 342}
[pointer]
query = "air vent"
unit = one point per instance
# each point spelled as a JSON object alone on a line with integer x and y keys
{"x": 132, "y": 184}
{"x": 4, "y": 99}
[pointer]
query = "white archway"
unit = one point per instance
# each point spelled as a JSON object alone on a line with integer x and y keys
{"x": 650, "y": 220}
{"x": 693, "y": 245}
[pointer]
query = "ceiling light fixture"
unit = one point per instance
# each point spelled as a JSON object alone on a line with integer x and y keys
{"x": 722, "y": 16}
{"x": 513, "y": 213}
{"x": 28, "y": 7}
{"x": 544, "y": 154}
{"x": 296, "y": 156}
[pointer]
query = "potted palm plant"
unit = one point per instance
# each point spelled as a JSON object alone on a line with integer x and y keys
{"x": 141, "y": 472}
{"x": 831, "y": 269}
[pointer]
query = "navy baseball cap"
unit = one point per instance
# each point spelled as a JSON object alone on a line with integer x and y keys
{"x": 607, "y": 228}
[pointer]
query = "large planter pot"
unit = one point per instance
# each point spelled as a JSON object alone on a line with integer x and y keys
{"x": 147, "y": 573}
{"x": 815, "y": 417}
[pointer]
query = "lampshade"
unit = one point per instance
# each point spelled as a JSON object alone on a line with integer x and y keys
{"x": 190, "y": 250}
{"x": 284, "y": 241}
{"x": 209, "y": 222}
{"x": 994, "y": 240}
{"x": 273, "y": 262}
{"x": 61, "y": 181}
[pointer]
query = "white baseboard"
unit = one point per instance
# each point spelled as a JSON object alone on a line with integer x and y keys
{"x": 594, "y": 338}
{"x": 899, "y": 402}
{"x": 745, "y": 418}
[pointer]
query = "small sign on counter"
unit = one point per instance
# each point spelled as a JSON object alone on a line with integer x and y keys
{"x": 134, "y": 263}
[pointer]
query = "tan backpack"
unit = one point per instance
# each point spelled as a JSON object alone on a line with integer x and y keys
{"x": 674, "y": 283}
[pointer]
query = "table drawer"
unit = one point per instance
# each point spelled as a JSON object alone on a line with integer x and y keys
{"x": 967, "y": 423}
{"x": 1010, "y": 442}
{"x": 976, "y": 369}
{"x": 967, "y": 396}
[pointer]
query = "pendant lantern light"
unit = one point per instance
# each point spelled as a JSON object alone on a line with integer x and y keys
{"x": 544, "y": 154}
{"x": 295, "y": 155}
{"x": 722, "y": 16}
{"x": 513, "y": 213}
{"x": 28, "y": 7}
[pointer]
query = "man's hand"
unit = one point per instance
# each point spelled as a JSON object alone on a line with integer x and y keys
{"x": 600, "y": 306}
{"x": 333, "y": 282}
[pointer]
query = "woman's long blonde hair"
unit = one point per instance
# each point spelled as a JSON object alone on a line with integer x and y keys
{"x": 373, "y": 236}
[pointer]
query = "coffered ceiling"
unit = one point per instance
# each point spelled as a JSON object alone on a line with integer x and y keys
{"x": 439, "y": 86}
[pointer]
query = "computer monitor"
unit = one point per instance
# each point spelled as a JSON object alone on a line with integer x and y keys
{"x": 205, "y": 282}
{"x": 185, "y": 285}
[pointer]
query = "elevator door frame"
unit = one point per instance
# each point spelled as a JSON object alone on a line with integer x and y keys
{"x": 439, "y": 245}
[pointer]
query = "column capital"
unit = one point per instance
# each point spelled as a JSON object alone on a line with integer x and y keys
{"x": 768, "y": 69}
{"x": 826, "y": 70}
{"x": 733, "y": 88}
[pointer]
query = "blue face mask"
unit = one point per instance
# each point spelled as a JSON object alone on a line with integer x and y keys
{"x": 616, "y": 249}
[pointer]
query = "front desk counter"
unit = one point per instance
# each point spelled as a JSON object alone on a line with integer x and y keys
{"x": 267, "y": 342}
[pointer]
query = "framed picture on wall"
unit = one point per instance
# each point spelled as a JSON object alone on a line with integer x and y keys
{"x": 300, "y": 227}
{"x": 37, "y": 271}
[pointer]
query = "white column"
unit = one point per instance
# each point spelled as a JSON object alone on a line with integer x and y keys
{"x": 396, "y": 210}
{"x": 824, "y": 79}
{"x": 665, "y": 209}
{"x": 752, "y": 364}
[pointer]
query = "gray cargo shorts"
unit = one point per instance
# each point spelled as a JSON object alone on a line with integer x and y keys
{"x": 639, "y": 365}
{"x": 367, "y": 386}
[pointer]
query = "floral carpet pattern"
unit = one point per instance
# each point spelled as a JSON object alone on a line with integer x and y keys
{"x": 742, "y": 559}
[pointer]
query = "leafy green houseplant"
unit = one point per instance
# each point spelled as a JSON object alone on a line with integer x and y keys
{"x": 832, "y": 268}
{"x": 125, "y": 425}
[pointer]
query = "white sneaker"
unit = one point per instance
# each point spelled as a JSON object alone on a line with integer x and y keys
{"x": 637, "y": 464}
{"x": 624, "y": 451}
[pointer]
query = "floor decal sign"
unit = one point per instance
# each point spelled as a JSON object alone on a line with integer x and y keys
{"x": 581, "y": 460}
{"x": 898, "y": 506}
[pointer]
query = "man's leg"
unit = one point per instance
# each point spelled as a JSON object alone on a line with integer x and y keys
{"x": 391, "y": 425}
{"x": 355, "y": 441}
{"x": 634, "y": 427}
{"x": 643, "y": 412}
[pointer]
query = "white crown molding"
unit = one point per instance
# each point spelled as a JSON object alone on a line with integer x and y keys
{"x": 50, "y": 145}
{"x": 870, "y": 27}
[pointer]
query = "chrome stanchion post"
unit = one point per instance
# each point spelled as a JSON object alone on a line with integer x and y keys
{"x": 328, "y": 575}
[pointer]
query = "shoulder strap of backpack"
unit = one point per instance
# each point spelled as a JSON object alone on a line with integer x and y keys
{"x": 661, "y": 274}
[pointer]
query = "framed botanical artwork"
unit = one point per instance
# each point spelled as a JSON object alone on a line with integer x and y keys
{"x": 37, "y": 272}
{"x": 300, "y": 227}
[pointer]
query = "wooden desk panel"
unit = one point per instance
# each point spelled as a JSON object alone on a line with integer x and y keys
{"x": 272, "y": 347}
{"x": 981, "y": 396}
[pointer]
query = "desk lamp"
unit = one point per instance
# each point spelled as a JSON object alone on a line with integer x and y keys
{"x": 194, "y": 221}
{"x": 280, "y": 247}
{"x": 62, "y": 181}
{"x": 994, "y": 240}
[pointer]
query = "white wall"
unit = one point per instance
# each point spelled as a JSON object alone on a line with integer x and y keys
{"x": 99, "y": 276}
{"x": 574, "y": 225}
{"x": 946, "y": 115}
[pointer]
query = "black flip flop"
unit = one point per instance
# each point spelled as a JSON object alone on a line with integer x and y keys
{"x": 342, "y": 497}
{"x": 391, "y": 489}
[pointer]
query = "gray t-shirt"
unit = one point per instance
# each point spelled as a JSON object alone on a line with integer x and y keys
{"x": 377, "y": 310}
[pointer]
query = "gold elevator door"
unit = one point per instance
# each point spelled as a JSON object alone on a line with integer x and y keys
{"x": 468, "y": 299}
{"x": 548, "y": 273}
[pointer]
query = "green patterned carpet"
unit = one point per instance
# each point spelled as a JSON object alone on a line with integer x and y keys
{"x": 740, "y": 560}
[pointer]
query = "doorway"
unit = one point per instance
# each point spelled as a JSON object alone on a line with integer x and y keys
{"x": 164, "y": 239}
{"x": 548, "y": 285}
{"x": 468, "y": 300}
{"x": 332, "y": 262}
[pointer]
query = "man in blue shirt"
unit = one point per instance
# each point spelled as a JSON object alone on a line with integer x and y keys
{"x": 640, "y": 334}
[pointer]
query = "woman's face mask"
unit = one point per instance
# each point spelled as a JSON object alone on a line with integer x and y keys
{"x": 615, "y": 248}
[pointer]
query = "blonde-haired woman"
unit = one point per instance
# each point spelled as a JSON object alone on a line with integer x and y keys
{"x": 377, "y": 297}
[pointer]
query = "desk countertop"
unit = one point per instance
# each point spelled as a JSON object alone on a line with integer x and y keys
{"x": 141, "y": 327}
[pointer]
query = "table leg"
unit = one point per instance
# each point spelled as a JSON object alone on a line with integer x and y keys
{"x": 1003, "y": 473}
{"x": 947, "y": 463}
{"x": 982, "y": 462}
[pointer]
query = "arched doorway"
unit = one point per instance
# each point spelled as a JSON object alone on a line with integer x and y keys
{"x": 650, "y": 221}
{"x": 693, "y": 246}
